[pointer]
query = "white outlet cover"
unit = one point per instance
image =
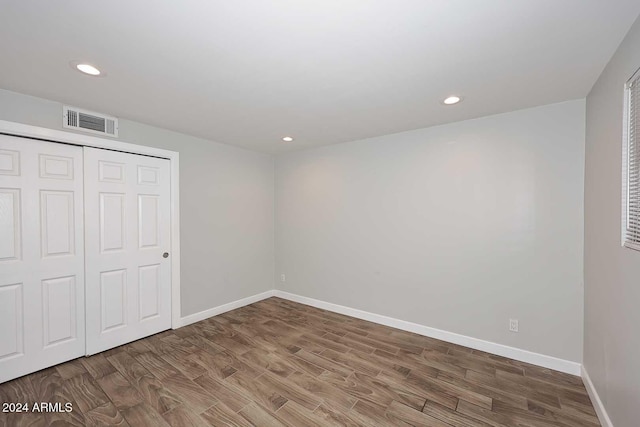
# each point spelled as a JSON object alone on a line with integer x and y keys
{"x": 513, "y": 325}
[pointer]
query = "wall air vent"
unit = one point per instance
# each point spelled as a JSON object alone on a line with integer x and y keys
{"x": 88, "y": 121}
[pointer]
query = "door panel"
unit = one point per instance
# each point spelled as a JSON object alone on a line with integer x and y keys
{"x": 128, "y": 279}
{"x": 150, "y": 289}
{"x": 10, "y": 224}
{"x": 113, "y": 301}
{"x": 57, "y": 167}
{"x": 41, "y": 255}
{"x": 59, "y": 308}
{"x": 112, "y": 222}
{"x": 148, "y": 221}
{"x": 9, "y": 162}
{"x": 57, "y": 223}
{"x": 11, "y": 318}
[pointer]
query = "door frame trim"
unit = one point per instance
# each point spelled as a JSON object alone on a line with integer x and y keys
{"x": 36, "y": 132}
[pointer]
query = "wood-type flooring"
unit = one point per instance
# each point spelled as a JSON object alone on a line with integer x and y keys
{"x": 277, "y": 363}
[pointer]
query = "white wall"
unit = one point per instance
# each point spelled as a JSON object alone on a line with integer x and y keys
{"x": 612, "y": 273}
{"x": 226, "y": 196}
{"x": 458, "y": 227}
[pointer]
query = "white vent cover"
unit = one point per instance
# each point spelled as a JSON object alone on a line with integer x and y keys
{"x": 88, "y": 121}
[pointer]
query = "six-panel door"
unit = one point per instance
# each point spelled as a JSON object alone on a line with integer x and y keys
{"x": 42, "y": 320}
{"x": 127, "y": 213}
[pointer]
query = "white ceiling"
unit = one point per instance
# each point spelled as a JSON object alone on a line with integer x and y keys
{"x": 249, "y": 72}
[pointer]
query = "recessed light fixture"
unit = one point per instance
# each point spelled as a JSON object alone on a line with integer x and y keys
{"x": 88, "y": 69}
{"x": 85, "y": 68}
{"x": 287, "y": 139}
{"x": 453, "y": 99}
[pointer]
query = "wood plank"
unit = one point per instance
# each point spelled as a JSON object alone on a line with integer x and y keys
{"x": 222, "y": 415}
{"x": 295, "y": 415}
{"x": 190, "y": 393}
{"x": 324, "y": 363}
{"x": 505, "y": 419}
{"x": 266, "y": 360}
{"x": 477, "y": 387}
{"x": 305, "y": 366}
{"x": 436, "y": 386}
{"x": 448, "y": 416}
{"x": 71, "y": 369}
{"x": 183, "y": 416}
{"x": 204, "y": 344}
{"x": 106, "y": 415}
{"x": 157, "y": 395}
{"x": 371, "y": 342}
{"x": 143, "y": 415}
{"x": 49, "y": 388}
{"x": 158, "y": 367}
{"x": 121, "y": 392}
{"x": 374, "y": 390}
{"x": 325, "y": 343}
{"x": 224, "y": 364}
{"x": 430, "y": 360}
{"x": 475, "y": 358}
{"x": 45, "y": 384}
{"x": 86, "y": 392}
{"x": 325, "y": 391}
{"x": 352, "y": 360}
{"x": 398, "y": 414}
{"x": 392, "y": 341}
{"x": 186, "y": 365}
{"x": 19, "y": 390}
{"x": 137, "y": 348}
{"x": 333, "y": 417}
{"x": 566, "y": 417}
{"x": 128, "y": 367}
{"x": 223, "y": 391}
{"x": 97, "y": 365}
{"x": 233, "y": 341}
{"x": 256, "y": 391}
{"x": 258, "y": 416}
{"x": 420, "y": 386}
{"x": 289, "y": 390}
{"x": 367, "y": 413}
{"x": 514, "y": 388}
{"x": 555, "y": 377}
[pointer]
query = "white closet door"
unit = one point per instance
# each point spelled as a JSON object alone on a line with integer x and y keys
{"x": 128, "y": 272}
{"x": 41, "y": 255}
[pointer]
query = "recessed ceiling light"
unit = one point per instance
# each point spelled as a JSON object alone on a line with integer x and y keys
{"x": 453, "y": 99}
{"x": 287, "y": 139}
{"x": 85, "y": 68}
{"x": 88, "y": 69}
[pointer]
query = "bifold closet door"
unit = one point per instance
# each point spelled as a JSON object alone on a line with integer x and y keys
{"x": 41, "y": 255}
{"x": 128, "y": 270}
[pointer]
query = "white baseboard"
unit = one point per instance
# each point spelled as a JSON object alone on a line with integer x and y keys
{"x": 595, "y": 400}
{"x": 475, "y": 343}
{"x": 205, "y": 314}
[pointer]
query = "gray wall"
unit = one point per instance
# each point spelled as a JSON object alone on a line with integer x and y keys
{"x": 458, "y": 227}
{"x": 226, "y": 206}
{"x": 612, "y": 273}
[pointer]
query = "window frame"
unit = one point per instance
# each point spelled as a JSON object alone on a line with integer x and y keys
{"x": 626, "y": 148}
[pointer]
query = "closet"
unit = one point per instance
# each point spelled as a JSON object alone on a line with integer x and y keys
{"x": 84, "y": 251}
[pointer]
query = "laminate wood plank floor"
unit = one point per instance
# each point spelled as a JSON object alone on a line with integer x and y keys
{"x": 276, "y": 363}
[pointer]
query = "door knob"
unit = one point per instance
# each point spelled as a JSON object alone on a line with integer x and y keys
{"x": 165, "y": 255}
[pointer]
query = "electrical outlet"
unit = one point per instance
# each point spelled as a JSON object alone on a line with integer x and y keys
{"x": 513, "y": 325}
{"x": 283, "y": 278}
